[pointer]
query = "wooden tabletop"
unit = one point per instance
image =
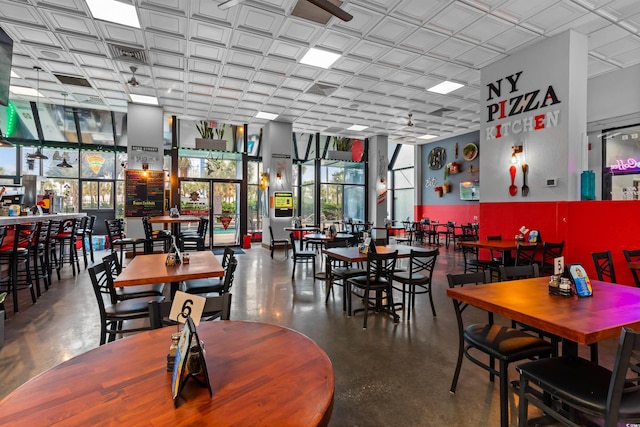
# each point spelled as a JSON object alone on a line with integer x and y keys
{"x": 324, "y": 237}
{"x": 581, "y": 320}
{"x": 496, "y": 245}
{"x": 166, "y": 219}
{"x": 149, "y": 269}
{"x": 260, "y": 374}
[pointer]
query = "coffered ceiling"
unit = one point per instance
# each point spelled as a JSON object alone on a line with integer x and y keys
{"x": 202, "y": 62}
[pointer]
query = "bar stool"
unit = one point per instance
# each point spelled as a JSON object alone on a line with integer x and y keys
{"x": 83, "y": 235}
{"x": 15, "y": 253}
{"x": 67, "y": 236}
{"x": 37, "y": 248}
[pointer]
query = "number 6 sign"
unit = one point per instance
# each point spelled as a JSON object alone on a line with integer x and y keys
{"x": 186, "y": 305}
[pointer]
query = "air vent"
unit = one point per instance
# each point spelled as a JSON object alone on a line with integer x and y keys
{"x": 322, "y": 90}
{"x": 84, "y": 99}
{"x": 73, "y": 81}
{"x": 130, "y": 54}
{"x": 306, "y": 10}
{"x": 441, "y": 112}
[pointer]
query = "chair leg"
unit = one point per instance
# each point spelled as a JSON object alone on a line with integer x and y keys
{"x": 456, "y": 374}
{"x": 433, "y": 307}
{"x": 294, "y": 268}
{"x": 504, "y": 395}
{"x": 523, "y": 404}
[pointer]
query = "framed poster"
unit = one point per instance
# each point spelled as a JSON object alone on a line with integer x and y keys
{"x": 144, "y": 193}
{"x": 470, "y": 190}
{"x": 283, "y": 203}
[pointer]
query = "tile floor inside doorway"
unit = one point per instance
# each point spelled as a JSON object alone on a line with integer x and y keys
{"x": 386, "y": 375}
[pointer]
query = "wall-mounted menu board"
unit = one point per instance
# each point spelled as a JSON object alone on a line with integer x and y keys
{"x": 144, "y": 193}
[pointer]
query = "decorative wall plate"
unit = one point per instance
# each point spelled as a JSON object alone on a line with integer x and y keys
{"x": 437, "y": 158}
{"x": 470, "y": 151}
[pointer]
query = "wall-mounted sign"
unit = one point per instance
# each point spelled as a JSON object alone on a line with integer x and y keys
{"x": 144, "y": 193}
{"x": 283, "y": 203}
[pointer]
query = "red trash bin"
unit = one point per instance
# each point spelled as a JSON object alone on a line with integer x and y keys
{"x": 246, "y": 241}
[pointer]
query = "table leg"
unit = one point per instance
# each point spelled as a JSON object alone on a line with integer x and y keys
{"x": 175, "y": 286}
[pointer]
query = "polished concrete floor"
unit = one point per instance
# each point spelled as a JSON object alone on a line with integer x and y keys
{"x": 387, "y": 375}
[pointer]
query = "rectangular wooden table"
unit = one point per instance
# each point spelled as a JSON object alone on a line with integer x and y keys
{"x": 505, "y": 246}
{"x": 150, "y": 269}
{"x": 575, "y": 320}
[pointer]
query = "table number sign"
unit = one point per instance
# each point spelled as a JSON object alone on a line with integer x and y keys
{"x": 189, "y": 340}
{"x": 187, "y": 305}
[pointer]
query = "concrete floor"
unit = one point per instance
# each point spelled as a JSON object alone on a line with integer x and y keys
{"x": 387, "y": 375}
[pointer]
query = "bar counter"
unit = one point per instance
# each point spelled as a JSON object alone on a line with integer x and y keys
{"x": 11, "y": 220}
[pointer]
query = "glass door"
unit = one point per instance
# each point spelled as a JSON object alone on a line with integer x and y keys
{"x": 226, "y": 214}
{"x": 195, "y": 199}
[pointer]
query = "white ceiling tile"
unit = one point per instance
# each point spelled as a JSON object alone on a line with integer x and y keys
{"x": 287, "y": 50}
{"x": 606, "y": 35}
{"x": 451, "y": 48}
{"x": 423, "y": 40}
{"x": 127, "y": 36}
{"x": 391, "y": 31}
{"x": 207, "y": 32}
{"x": 163, "y": 22}
{"x": 622, "y": 9}
{"x": 519, "y": 10}
{"x": 511, "y": 39}
{"x": 363, "y": 20}
{"x": 338, "y": 42}
{"x": 484, "y": 29}
{"x": 556, "y": 15}
{"x": 22, "y": 13}
{"x": 479, "y": 57}
{"x": 167, "y": 44}
{"x": 454, "y": 18}
{"x": 298, "y": 31}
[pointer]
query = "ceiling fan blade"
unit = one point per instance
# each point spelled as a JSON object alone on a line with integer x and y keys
{"x": 229, "y": 3}
{"x": 332, "y": 9}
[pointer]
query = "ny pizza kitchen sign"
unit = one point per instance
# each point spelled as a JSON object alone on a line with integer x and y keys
{"x": 511, "y": 111}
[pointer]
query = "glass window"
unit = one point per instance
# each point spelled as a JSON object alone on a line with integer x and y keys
{"x": 97, "y": 164}
{"x": 621, "y": 169}
{"x": 307, "y": 204}
{"x": 253, "y": 139}
{"x": 403, "y": 204}
{"x": 121, "y": 128}
{"x": 50, "y": 166}
{"x": 8, "y": 161}
{"x": 120, "y": 199}
{"x": 67, "y": 190}
{"x": 16, "y": 121}
{"x": 96, "y": 126}
{"x": 57, "y": 123}
{"x": 406, "y": 157}
{"x": 206, "y": 164}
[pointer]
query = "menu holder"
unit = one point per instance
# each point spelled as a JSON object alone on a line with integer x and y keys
{"x": 578, "y": 276}
{"x": 181, "y": 372}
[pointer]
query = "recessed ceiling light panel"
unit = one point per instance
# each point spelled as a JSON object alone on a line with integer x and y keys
{"x": 143, "y": 99}
{"x": 266, "y": 116}
{"x": 24, "y": 91}
{"x": 357, "y": 127}
{"x": 445, "y": 87}
{"x": 427, "y": 136}
{"x": 114, "y": 11}
{"x": 319, "y": 58}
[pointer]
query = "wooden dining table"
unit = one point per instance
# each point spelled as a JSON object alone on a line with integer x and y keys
{"x": 576, "y": 320}
{"x": 151, "y": 269}
{"x": 302, "y": 230}
{"x": 260, "y": 374}
{"x": 174, "y": 221}
{"x": 506, "y": 246}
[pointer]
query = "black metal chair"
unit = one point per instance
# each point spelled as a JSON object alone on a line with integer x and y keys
{"x": 550, "y": 251}
{"x": 631, "y": 256}
{"x": 276, "y": 242}
{"x": 221, "y": 286}
{"x": 515, "y": 272}
{"x": 195, "y": 240}
{"x": 448, "y": 233}
{"x": 378, "y": 279}
{"x": 526, "y": 254}
{"x": 67, "y": 237}
{"x": 340, "y": 272}
{"x": 128, "y": 292}
{"x": 585, "y": 388}
{"x": 603, "y": 262}
{"x": 507, "y": 345}
{"x": 15, "y": 256}
{"x": 215, "y": 307}
{"x": 406, "y": 234}
{"x": 155, "y": 238}
{"x": 302, "y": 257}
{"x": 85, "y": 232}
{"x": 38, "y": 262}
{"x": 117, "y": 238}
{"x": 418, "y": 279}
{"x": 114, "y": 313}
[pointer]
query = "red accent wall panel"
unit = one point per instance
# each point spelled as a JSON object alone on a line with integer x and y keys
{"x": 461, "y": 214}
{"x": 585, "y": 226}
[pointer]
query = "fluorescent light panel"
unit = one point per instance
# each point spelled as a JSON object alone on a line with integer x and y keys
{"x": 427, "y": 136}
{"x": 319, "y": 58}
{"x": 357, "y": 127}
{"x": 13, "y": 74}
{"x": 143, "y": 99}
{"x": 24, "y": 91}
{"x": 445, "y": 87}
{"x": 266, "y": 116}
{"x": 114, "y": 11}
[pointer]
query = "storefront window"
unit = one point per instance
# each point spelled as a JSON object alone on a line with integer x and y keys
{"x": 97, "y": 164}
{"x": 57, "y": 123}
{"x": 621, "y": 168}
{"x": 96, "y": 126}
{"x": 16, "y": 120}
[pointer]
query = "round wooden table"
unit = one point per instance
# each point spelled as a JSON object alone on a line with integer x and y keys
{"x": 260, "y": 374}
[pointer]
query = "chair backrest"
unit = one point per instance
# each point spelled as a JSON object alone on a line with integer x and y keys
{"x": 336, "y": 243}
{"x": 459, "y": 280}
{"x": 526, "y": 254}
{"x": 468, "y": 252}
{"x": 550, "y": 251}
{"x": 114, "y": 229}
{"x": 271, "y": 234}
{"x": 626, "y": 375}
{"x": 293, "y": 244}
{"x": 422, "y": 262}
{"x": 215, "y": 307}
{"x": 603, "y": 262}
{"x": 82, "y": 224}
{"x": 68, "y": 227}
{"x": 23, "y": 236}
{"x": 631, "y": 256}
{"x": 90, "y": 225}
{"x": 381, "y": 266}
{"x": 203, "y": 225}
{"x": 148, "y": 228}
{"x": 514, "y": 272}
{"x": 227, "y": 255}
{"x": 113, "y": 263}
{"x": 229, "y": 272}
{"x": 102, "y": 283}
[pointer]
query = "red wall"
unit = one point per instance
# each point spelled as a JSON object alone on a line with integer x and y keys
{"x": 461, "y": 214}
{"x": 586, "y": 227}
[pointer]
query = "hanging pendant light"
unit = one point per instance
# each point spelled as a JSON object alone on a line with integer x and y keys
{"x": 4, "y": 142}
{"x": 64, "y": 164}
{"x": 38, "y": 155}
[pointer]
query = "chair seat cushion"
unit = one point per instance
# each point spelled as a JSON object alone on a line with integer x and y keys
{"x": 203, "y": 286}
{"x": 347, "y": 272}
{"x": 131, "y": 306}
{"x": 140, "y": 291}
{"x": 127, "y": 241}
{"x": 505, "y": 343}
{"x": 579, "y": 382}
{"x": 306, "y": 254}
{"x": 405, "y": 277}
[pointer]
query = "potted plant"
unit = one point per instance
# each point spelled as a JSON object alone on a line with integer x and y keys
{"x": 342, "y": 150}
{"x": 207, "y": 130}
{"x": 438, "y": 191}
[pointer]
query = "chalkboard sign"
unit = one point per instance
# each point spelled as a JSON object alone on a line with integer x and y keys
{"x": 144, "y": 193}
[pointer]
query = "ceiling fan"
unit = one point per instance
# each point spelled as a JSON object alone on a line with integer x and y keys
{"x": 322, "y": 4}
{"x": 132, "y": 81}
{"x": 410, "y": 123}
